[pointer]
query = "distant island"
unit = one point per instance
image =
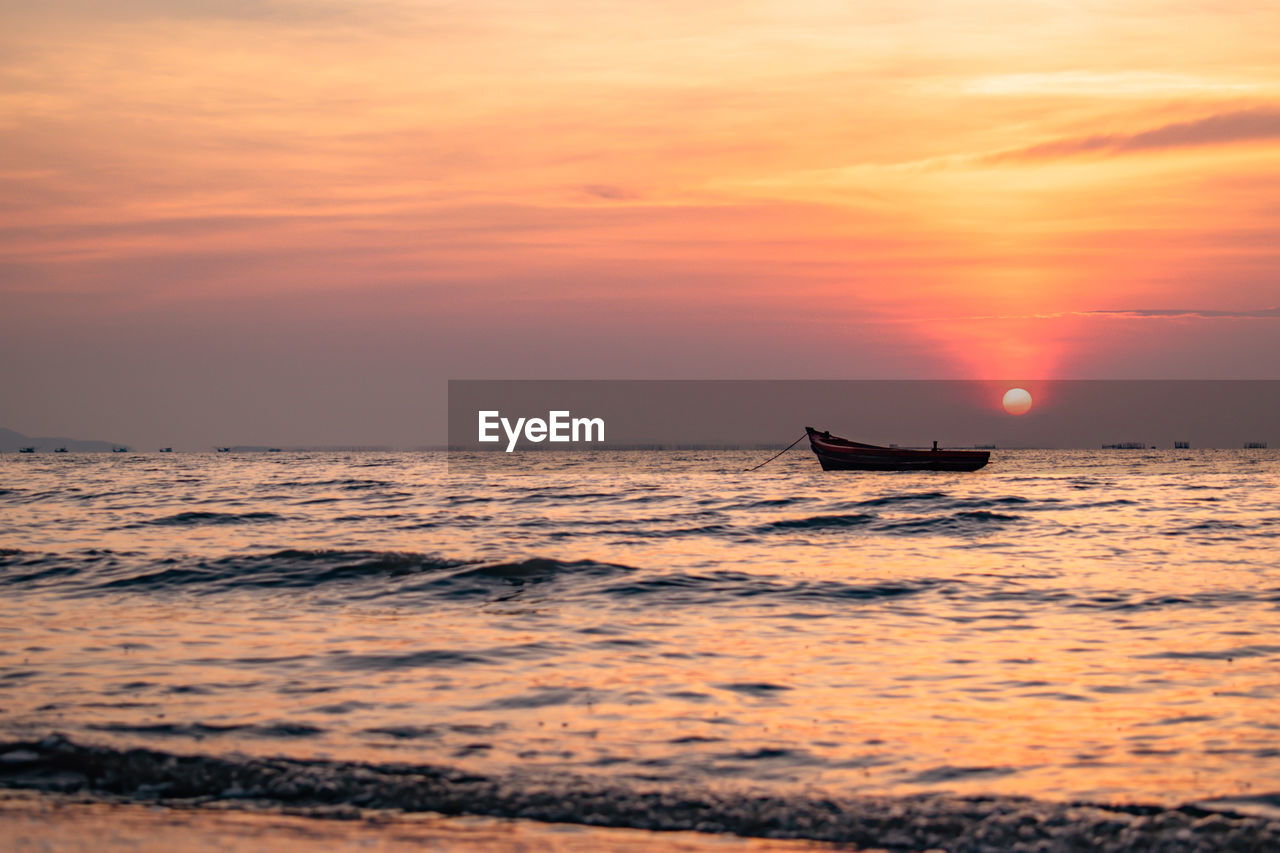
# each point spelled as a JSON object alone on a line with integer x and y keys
{"x": 11, "y": 442}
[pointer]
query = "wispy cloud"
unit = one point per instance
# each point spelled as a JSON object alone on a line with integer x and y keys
{"x": 609, "y": 191}
{"x": 289, "y": 12}
{"x": 1221, "y": 129}
{"x": 1164, "y": 313}
{"x": 1146, "y": 313}
{"x": 1116, "y": 83}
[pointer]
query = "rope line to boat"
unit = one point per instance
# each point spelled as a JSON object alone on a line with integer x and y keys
{"x": 779, "y": 453}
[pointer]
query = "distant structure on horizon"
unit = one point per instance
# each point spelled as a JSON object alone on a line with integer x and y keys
{"x": 1255, "y": 445}
{"x": 1126, "y": 445}
{"x": 1182, "y": 445}
{"x": 11, "y": 440}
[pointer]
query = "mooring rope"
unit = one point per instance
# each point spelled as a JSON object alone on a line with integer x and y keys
{"x": 779, "y": 453}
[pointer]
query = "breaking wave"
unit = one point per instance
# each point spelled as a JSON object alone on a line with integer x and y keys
{"x": 347, "y": 789}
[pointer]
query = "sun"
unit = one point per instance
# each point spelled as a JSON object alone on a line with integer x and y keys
{"x": 1017, "y": 401}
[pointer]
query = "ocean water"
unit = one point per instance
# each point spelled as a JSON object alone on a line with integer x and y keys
{"x": 1066, "y": 625}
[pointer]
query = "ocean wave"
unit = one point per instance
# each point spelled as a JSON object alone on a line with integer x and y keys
{"x": 965, "y": 522}
{"x": 434, "y": 731}
{"x": 346, "y": 789}
{"x": 97, "y": 570}
{"x": 105, "y": 571}
{"x": 552, "y": 494}
{"x": 196, "y": 517}
{"x": 819, "y": 522}
{"x": 947, "y": 515}
{"x": 346, "y": 483}
{"x": 726, "y": 586}
{"x": 21, "y": 569}
{"x": 199, "y": 731}
{"x": 503, "y": 580}
{"x": 289, "y": 568}
{"x": 417, "y": 580}
{"x": 1254, "y": 651}
{"x": 906, "y": 498}
{"x": 442, "y": 657}
{"x": 1121, "y": 600}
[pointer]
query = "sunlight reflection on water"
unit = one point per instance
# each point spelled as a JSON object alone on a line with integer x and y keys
{"x": 1059, "y": 624}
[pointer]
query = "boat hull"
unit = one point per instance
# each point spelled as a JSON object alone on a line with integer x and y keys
{"x": 838, "y": 454}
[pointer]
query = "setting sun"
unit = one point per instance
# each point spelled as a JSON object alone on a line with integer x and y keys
{"x": 1016, "y": 401}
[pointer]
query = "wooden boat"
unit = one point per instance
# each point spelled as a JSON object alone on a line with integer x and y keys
{"x": 841, "y": 454}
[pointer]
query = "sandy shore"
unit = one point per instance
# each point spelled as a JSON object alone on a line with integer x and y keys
{"x": 44, "y": 822}
{"x": 146, "y": 796}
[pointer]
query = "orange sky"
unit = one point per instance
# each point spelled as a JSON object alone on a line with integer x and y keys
{"x": 967, "y": 189}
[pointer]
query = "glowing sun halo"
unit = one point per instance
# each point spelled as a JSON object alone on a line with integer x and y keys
{"x": 1017, "y": 401}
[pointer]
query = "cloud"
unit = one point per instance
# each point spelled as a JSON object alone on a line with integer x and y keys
{"x": 609, "y": 191}
{"x": 1144, "y": 84}
{"x": 283, "y": 11}
{"x": 1146, "y": 313}
{"x": 1220, "y": 129}
{"x": 1165, "y": 313}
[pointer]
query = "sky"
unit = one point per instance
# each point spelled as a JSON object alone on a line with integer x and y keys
{"x": 292, "y": 222}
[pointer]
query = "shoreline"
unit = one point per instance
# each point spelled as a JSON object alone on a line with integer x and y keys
{"x": 363, "y": 792}
{"x": 40, "y": 822}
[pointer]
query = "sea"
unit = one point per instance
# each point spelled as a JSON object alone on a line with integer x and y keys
{"x": 1099, "y": 626}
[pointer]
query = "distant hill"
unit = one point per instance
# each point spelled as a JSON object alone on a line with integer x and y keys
{"x": 10, "y": 441}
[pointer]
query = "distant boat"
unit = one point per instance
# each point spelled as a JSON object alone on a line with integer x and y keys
{"x": 1182, "y": 445}
{"x": 119, "y": 450}
{"x": 166, "y": 450}
{"x": 1125, "y": 445}
{"x": 841, "y": 454}
{"x": 60, "y": 450}
{"x": 273, "y": 450}
{"x": 1255, "y": 445}
{"x": 222, "y": 449}
{"x": 26, "y": 450}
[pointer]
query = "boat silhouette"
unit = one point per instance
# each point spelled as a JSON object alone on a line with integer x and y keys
{"x": 841, "y": 454}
